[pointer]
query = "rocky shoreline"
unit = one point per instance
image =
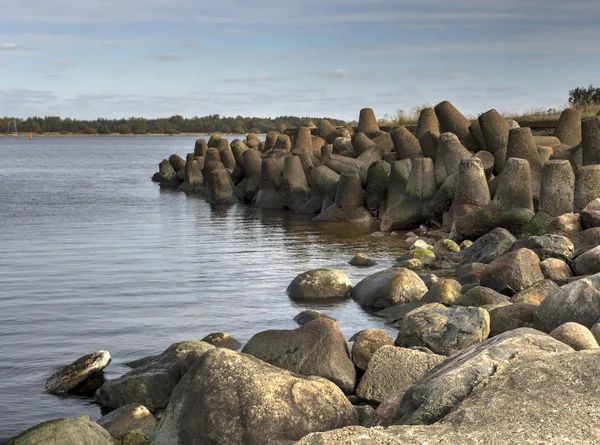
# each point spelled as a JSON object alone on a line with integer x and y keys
{"x": 496, "y": 304}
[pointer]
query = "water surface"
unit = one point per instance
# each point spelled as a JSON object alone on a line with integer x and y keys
{"x": 94, "y": 256}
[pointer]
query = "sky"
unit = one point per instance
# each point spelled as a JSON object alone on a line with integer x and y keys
{"x": 86, "y": 59}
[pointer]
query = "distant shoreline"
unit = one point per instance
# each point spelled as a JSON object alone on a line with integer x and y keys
{"x": 120, "y": 135}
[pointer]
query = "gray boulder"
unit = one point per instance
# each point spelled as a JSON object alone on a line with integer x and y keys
{"x": 481, "y": 296}
{"x": 388, "y": 288}
{"x": 535, "y": 293}
{"x": 444, "y": 330}
{"x": 362, "y": 260}
{"x": 587, "y": 263}
{"x": 317, "y": 348}
{"x": 222, "y": 340}
{"x": 320, "y": 284}
{"x": 511, "y": 317}
{"x": 578, "y": 302}
{"x": 513, "y": 272}
{"x": 82, "y": 375}
{"x": 555, "y": 270}
{"x": 152, "y": 383}
{"x": 489, "y": 247}
{"x": 78, "y": 431}
{"x": 228, "y": 398}
{"x": 547, "y": 246}
{"x": 309, "y": 315}
{"x": 393, "y": 368}
{"x": 434, "y": 396}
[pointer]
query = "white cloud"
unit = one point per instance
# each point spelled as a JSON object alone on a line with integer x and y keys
{"x": 8, "y": 46}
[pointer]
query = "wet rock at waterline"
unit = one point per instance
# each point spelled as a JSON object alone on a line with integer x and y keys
{"x": 320, "y": 284}
{"x": 222, "y": 340}
{"x": 317, "y": 348}
{"x": 128, "y": 418}
{"x": 388, "y": 288}
{"x": 228, "y": 398}
{"x": 309, "y": 315}
{"x": 84, "y": 375}
{"x": 64, "y": 431}
{"x": 362, "y": 260}
{"x": 152, "y": 383}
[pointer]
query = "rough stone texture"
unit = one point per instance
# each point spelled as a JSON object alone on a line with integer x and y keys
{"x": 535, "y": 293}
{"x": 470, "y": 273}
{"x": 590, "y": 215}
{"x": 481, "y": 296}
{"x": 489, "y": 247}
{"x": 595, "y": 330}
{"x": 222, "y": 340}
{"x": 555, "y": 270}
{"x": 444, "y": 330}
{"x": 362, "y": 260}
{"x": 445, "y": 291}
{"x": 378, "y": 178}
{"x": 434, "y": 396}
{"x": 320, "y": 284}
{"x": 388, "y": 288}
{"x": 512, "y": 272}
{"x": 587, "y": 263}
{"x": 393, "y": 368}
{"x": 366, "y": 344}
{"x": 590, "y": 141}
{"x": 317, "y": 348}
{"x": 568, "y": 130}
{"x": 589, "y": 237}
{"x": 78, "y": 431}
{"x": 549, "y": 399}
{"x": 128, "y": 418}
{"x": 425, "y": 256}
{"x": 78, "y": 374}
{"x": 575, "y": 335}
{"x": 547, "y": 246}
{"x": 568, "y": 224}
{"x": 395, "y": 314}
{"x": 152, "y": 383}
{"x": 510, "y": 317}
{"x": 587, "y": 186}
{"x": 521, "y": 145}
{"x": 557, "y": 188}
{"x": 578, "y": 302}
{"x": 229, "y": 398}
{"x": 309, "y": 315}
{"x": 135, "y": 437}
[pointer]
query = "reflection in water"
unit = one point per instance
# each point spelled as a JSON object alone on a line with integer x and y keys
{"x": 98, "y": 257}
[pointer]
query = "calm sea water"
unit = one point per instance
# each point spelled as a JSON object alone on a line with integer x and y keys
{"x": 95, "y": 256}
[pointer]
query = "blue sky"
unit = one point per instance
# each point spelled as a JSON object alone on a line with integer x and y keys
{"x": 151, "y": 58}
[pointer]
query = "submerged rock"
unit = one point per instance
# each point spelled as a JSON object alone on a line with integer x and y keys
{"x": 309, "y": 315}
{"x": 228, "y": 398}
{"x": 362, "y": 260}
{"x": 81, "y": 375}
{"x": 222, "y": 340}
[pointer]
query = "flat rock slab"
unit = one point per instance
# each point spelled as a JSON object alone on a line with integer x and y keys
{"x": 71, "y": 376}
{"x": 444, "y": 330}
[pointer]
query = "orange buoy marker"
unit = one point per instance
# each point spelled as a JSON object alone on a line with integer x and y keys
{"x": 30, "y": 136}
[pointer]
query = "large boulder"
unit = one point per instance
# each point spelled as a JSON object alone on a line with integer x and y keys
{"x": 535, "y": 293}
{"x": 587, "y": 263}
{"x": 575, "y": 335}
{"x": 512, "y": 272}
{"x": 128, "y": 418}
{"x": 81, "y": 375}
{"x": 547, "y": 246}
{"x": 320, "y": 284}
{"x": 434, "y": 396}
{"x": 78, "y": 431}
{"x": 489, "y": 247}
{"x": 367, "y": 342}
{"x": 388, "y": 288}
{"x": 317, "y": 348}
{"x": 578, "y": 302}
{"x": 444, "y": 330}
{"x": 444, "y": 291}
{"x": 538, "y": 399}
{"x": 482, "y": 296}
{"x": 555, "y": 270}
{"x": 152, "y": 383}
{"x": 392, "y": 368}
{"x": 228, "y": 398}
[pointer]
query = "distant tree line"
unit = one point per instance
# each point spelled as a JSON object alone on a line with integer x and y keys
{"x": 172, "y": 125}
{"x": 582, "y": 97}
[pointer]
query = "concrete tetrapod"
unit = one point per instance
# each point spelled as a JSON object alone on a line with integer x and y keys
{"x": 587, "y": 186}
{"x": 590, "y": 141}
{"x": 408, "y": 209}
{"x": 557, "y": 188}
{"x": 406, "y": 144}
{"x": 521, "y": 145}
{"x": 367, "y": 123}
{"x": 568, "y": 130}
{"x": 451, "y": 120}
{"x": 348, "y": 205}
{"x": 495, "y": 131}
{"x": 428, "y": 132}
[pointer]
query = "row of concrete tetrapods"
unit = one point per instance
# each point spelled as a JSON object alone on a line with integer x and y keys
{"x": 468, "y": 177}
